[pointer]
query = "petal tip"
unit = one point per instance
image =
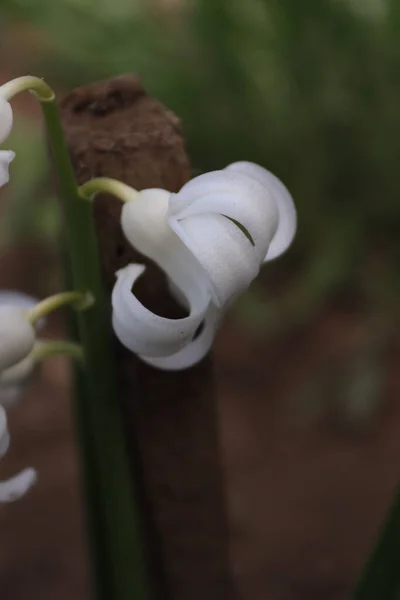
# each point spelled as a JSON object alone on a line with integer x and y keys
{"x": 287, "y": 224}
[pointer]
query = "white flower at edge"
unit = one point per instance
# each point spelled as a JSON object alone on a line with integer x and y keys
{"x": 210, "y": 239}
{"x": 17, "y": 339}
{"x": 6, "y": 123}
{"x": 17, "y": 486}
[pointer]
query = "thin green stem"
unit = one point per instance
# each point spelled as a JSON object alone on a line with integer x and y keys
{"x": 37, "y": 86}
{"x": 47, "y": 349}
{"x": 107, "y": 185}
{"x": 120, "y": 569}
{"x": 78, "y": 300}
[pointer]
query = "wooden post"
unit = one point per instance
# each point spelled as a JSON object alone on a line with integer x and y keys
{"x": 115, "y": 129}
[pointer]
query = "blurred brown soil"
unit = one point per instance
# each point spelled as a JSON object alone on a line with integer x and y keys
{"x": 305, "y": 499}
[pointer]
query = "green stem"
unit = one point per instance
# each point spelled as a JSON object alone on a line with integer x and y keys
{"x": 107, "y": 185}
{"x": 79, "y": 300}
{"x": 47, "y": 349}
{"x": 37, "y": 86}
{"x": 120, "y": 569}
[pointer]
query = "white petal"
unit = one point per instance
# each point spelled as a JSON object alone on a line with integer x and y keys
{"x": 14, "y": 298}
{"x": 6, "y": 119}
{"x": 16, "y": 334}
{"x": 6, "y": 157}
{"x": 13, "y": 488}
{"x": 235, "y": 195}
{"x": 146, "y": 333}
{"x": 227, "y": 257}
{"x": 198, "y": 215}
{"x": 195, "y": 350}
{"x": 17, "y": 486}
{"x": 145, "y": 226}
{"x": 287, "y": 211}
{"x": 15, "y": 303}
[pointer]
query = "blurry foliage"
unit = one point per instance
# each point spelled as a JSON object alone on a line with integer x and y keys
{"x": 309, "y": 89}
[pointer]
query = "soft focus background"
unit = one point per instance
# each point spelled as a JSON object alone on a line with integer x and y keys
{"x": 307, "y": 361}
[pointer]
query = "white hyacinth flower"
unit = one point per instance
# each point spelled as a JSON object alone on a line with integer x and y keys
{"x": 17, "y": 486}
{"x": 205, "y": 215}
{"x": 18, "y": 338}
{"x": 6, "y": 123}
{"x": 210, "y": 239}
{"x": 149, "y": 335}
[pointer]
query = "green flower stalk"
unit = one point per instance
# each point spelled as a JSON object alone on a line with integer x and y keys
{"x": 120, "y": 572}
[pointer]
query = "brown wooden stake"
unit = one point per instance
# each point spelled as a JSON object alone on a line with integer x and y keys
{"x": 116, "y": 129}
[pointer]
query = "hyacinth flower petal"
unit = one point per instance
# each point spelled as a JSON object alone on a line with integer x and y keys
{"x": 14, "y": 378}
{"x": 16, "y": 486}
{"x": 195, "y": 350}
{"x": 227, "y": 221}
{"x": 146, "y": 333}
{"x": 287, "y": 212}
{"x": 145, "y": 226}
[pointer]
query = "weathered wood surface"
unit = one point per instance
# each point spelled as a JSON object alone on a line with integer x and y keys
{"x": 115, "y": 129}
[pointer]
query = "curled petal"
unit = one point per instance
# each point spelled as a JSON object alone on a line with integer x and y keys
{"x": 227, "y": 221}
{"x": 17, "y": 486}
{"x": 195, "y": 351}
{"x": 236, "y": 196}
{"x": 16, "y": 334}
{"x": 6, "y": 119}
{"x": 287, "y": 212}
{"x": 6, "y": 157}
{"x": 227, "y": 257}
{"x": 146, "y": 333}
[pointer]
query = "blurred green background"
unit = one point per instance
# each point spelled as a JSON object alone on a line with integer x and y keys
{"x": 308, "y": 89}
